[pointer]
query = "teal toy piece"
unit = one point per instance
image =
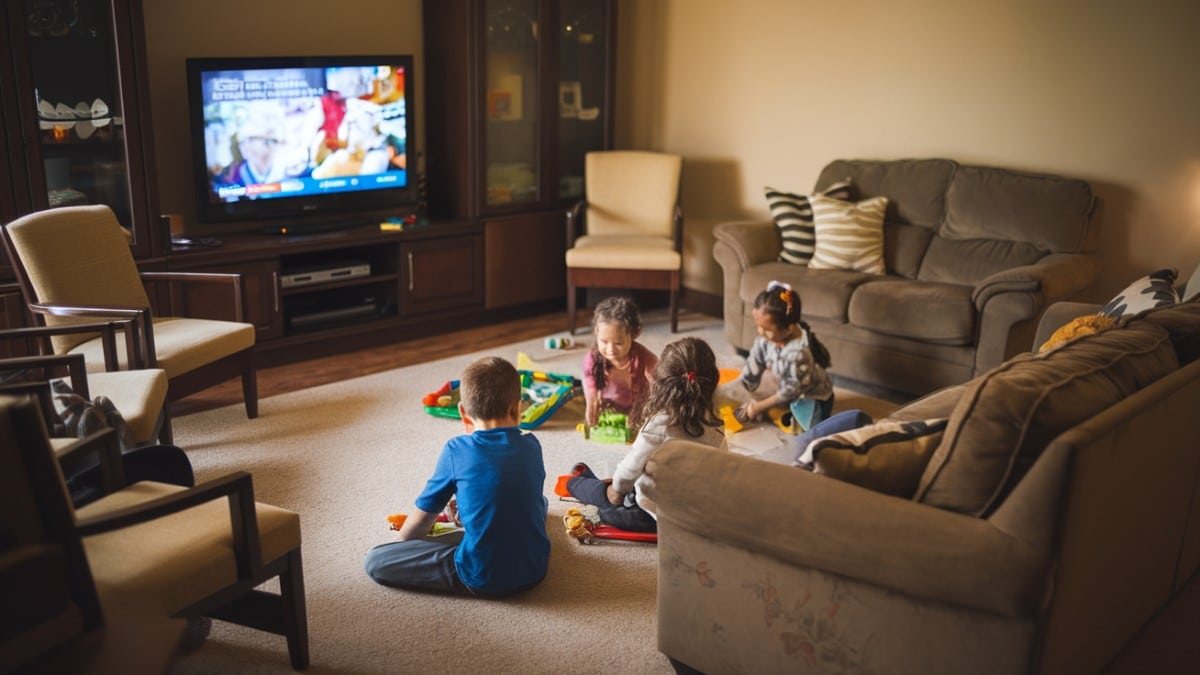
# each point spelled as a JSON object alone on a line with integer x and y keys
{"x": 542, "y": 394}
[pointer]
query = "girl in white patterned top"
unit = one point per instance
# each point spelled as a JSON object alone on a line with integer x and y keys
{"x": 787, "y": 347}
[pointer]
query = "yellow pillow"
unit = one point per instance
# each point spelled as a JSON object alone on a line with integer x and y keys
{"x": 1076, "y": 328}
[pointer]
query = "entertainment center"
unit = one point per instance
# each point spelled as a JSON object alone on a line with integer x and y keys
{"x": 321, "y": 151}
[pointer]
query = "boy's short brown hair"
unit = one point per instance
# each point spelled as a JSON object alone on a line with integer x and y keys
{"x": 489, "y": 388}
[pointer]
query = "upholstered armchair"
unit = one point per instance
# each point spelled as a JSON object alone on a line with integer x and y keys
{"x": 137, "y": 559}
{"x": 628, "y": 232}
{"x": 74, "y": 265}
{"x": 139, "y": 395}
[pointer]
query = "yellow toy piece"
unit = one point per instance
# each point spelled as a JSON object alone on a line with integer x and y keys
{"x": 578, "y": 526}
{"x": 732, "y": 425}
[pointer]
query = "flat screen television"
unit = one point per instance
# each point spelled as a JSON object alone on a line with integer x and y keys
{"x": 276, "y": 137}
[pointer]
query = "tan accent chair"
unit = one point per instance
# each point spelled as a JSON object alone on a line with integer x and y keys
{"x": 633, "y": 224}
{"x": 147, "y": 554}
{"x": 74, "y": 265}
{"x": 139, "y": 395}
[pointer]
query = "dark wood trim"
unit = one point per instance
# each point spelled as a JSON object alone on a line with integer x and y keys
{"x": 702, "y": 301}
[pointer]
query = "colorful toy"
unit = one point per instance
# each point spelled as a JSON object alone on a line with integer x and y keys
{"x": 542, "y": 394}
{"x": 611, "y": 427}
{"x": 559, "y": 343}
{"x": 442, "y": 525}
{"x": 583, "y": 524}
{"x": 732, "y": 425}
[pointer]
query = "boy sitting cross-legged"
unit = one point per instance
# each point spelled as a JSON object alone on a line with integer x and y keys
{"x": 496, "y": 475}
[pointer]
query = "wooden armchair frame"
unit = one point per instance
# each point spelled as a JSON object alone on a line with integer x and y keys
{"x": 283, "y": 614}
{"x": 74, "y": 365}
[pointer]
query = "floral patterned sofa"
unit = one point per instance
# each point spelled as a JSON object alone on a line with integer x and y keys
{"x": 1057, "y": 513}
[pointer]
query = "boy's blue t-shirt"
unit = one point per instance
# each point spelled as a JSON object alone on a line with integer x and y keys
{"x": 498, "y": 476}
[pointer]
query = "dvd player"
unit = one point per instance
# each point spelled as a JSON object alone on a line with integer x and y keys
{"x": 323, "y": 274}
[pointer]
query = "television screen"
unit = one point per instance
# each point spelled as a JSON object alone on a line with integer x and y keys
{"x": 292, "y": 135}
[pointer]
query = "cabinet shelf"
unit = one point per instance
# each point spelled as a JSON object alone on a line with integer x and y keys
{"x": 346, "y": 283}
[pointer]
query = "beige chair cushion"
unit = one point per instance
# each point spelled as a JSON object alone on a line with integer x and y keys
{"x": 620, "y": 252}
{"x": 137, "y": 394}
{"x": 632, "y": 193}
{"x": 181, "y": 558}
{"x": 182, "y": 345}
{"x": 88, "y": 244}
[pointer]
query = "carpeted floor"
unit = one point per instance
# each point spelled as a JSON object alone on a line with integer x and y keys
{"x": 347, "y": 454}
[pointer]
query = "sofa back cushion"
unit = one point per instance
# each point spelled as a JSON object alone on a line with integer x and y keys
{"x": 997, "y": 219}
{"x": 1182, "y": 321}
{"x": 916, "y": 192}
{"x": 1007, "y": 416}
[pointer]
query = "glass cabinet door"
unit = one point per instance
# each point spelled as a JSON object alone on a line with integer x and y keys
{"x": 583, "y": 35}
{"x": 72, "y": 57}
{"x": 511, "y": 86}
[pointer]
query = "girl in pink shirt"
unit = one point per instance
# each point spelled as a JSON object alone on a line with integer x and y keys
{"x": 617, "y": 369}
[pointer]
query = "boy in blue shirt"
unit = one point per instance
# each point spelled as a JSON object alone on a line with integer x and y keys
{"x": 496, "y": 475}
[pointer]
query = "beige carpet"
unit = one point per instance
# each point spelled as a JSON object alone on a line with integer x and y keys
{"x": 346, "y": 455}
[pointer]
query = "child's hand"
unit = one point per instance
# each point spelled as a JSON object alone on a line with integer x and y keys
{"x": 746, "y": 412}
{"x": 615, "y": 498}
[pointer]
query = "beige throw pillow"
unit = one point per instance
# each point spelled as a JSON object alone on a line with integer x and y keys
{"x": 849, "y": 234}
{"x": 887, "y": 456}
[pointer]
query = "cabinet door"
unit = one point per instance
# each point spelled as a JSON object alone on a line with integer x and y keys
{"x": 260, "y": 290}
{"x": 585, "y": 70}
{"x": 441, "y": 274}
{"x": 526, "y": 259}
{"x": 512, "y": 90}
{"x": 79, "y": 89}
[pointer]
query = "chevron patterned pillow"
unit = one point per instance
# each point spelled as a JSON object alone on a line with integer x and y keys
{"x": 794, "y": 217}
{"x": 1156, "y": 289}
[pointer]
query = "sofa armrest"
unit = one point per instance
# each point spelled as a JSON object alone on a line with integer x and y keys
{"x": 1057, "y": 276}
{"x": 748, "y": 242}
{"x": 809, "y": 520}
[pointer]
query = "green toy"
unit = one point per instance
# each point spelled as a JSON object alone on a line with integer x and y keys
{"x": 611, "y": 427}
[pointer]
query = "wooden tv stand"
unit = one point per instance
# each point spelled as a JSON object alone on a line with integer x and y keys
{"x": 425, "y": 279}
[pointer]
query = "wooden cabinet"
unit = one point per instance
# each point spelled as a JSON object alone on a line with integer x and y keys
{"x": 315, "y": 293}
{"x": 517, "y": 92}
{"x": 75, "y": 111}
{"x": 261, "y": 304}
{"x": 441, "y": 274}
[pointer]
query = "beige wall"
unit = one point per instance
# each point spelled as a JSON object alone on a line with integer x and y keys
{"x": 762, "y": 92}
{"x": 178, "y": 29}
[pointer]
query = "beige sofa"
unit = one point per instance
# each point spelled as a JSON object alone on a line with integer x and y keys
{"x": 972, "y": 255}
{"x": 767, "y": 568}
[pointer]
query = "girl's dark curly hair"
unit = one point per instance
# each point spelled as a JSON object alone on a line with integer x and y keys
{"x": 683, "y": 387}
{"x": 618, "y": 310}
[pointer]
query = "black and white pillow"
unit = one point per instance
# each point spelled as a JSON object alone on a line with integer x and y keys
{"x": 794, "y": 217}
{"x": 1156, "y": 289}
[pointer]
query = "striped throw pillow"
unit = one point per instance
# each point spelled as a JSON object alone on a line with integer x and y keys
{"x": 849, "y": 234}
{"x": 793, "y": 216}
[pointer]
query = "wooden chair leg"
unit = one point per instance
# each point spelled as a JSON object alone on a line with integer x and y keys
{"x": 295, "y": 611}
{"x": 165, "y": 434}
{"x": 674, "y": 310}
{"x": 571, "y": 308}
{"x": 250, "y": 387}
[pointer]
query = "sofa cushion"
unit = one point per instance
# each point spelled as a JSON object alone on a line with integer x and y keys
{"x": 970, "y": 261}
{"x": 915, "y": 188}
{"x": 1156, "y": 289}
{"x": 1182, "y": 321}
{"x": 1007, "y": 416}
{"x": 904, "y": 308}
{"x": 824, "y": 294}
{"x": 849, "y": 234}
{"x": 793, "y": 216}
{"x": 1050, "y": 212}
{"x": 888, "y": 456}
